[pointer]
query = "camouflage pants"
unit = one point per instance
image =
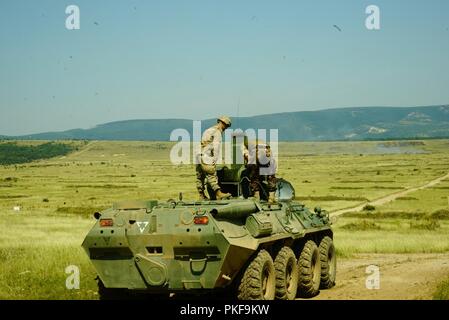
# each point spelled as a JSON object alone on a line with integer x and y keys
{"x": 205, "y": 171}
{"x": 256, "y": 179}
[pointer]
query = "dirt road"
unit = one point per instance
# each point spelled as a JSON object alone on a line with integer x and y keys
{"x": 87, "y": 147}
{"x": 402, "y": 277}
{"x": 390, "y": 197}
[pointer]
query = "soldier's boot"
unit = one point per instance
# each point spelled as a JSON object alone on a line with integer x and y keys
{"x": 257, "y": 195}
{"x": 271, "y": 198}
{"x": 202, "y": 196}
{"x": 220, "y": 195}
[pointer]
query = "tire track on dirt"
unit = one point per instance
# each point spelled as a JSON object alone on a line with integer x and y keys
{"x": 402, "y": 277}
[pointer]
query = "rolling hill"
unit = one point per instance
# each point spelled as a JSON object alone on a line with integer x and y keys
{"x": 363, "y": 123}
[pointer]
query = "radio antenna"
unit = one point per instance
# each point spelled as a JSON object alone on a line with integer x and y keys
{"x": 238, "y": 112}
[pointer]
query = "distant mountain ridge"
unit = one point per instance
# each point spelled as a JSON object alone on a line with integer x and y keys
{"x": 359, "y": 123}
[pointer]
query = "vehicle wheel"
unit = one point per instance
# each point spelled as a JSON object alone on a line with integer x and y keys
{"x": 259, "y": 279}
{"x": 328, "y": 263}
{"x": 309, "y": 270}
{"x": 286, "y": 274}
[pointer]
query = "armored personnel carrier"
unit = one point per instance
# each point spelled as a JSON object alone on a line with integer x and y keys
{"x": 246, "y": 248}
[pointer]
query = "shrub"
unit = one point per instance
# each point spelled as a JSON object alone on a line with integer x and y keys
{"x": 369, "y": 207}
{"x": 11, "y": 153}
{"x": 406, "y": 198}
{"x": 442, "y": 214}
{"x": 363, "y": 225}
{"x": 425, "y": 225}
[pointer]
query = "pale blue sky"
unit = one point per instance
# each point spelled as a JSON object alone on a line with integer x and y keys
{"x": 196, "y": 59}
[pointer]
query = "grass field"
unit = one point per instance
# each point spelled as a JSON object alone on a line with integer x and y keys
{"x": 442, "y": 292}
{"x": 58, "y": 196}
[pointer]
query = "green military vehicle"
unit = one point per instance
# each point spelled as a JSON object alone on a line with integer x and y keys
{"x": 241, "y": 247}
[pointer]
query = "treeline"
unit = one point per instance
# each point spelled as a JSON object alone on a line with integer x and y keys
{"x": 12, "y": 153}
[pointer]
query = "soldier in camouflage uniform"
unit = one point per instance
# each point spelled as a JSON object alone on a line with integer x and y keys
{"x": 207, "y": 159}
{"x": 261, "y": 168}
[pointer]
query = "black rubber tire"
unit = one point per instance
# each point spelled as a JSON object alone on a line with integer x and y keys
{"x": 286, "y": 274}
{"x": 328, "y": 263}
{"x": 309, "y": 269}
{"x": 259, "y": 280}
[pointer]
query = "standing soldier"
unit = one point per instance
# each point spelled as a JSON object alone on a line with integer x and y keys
{"x": 207, "y": 159}
{"x": 261, "y": 167}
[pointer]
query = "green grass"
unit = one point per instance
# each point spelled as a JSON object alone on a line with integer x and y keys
{"x": 80, "y": 211}
{"x": 38, "y": 272}
{"x": 390, "y": 232}
{"x": 34, "y": 252}
{"x": 441, "y": 214}
{"x": 442, "y": 292}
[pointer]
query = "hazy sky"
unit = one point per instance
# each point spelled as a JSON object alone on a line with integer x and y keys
{"x": 196, "y": 59}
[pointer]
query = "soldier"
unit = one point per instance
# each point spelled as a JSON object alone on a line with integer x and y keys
{"x": 261, "y": 167}
{"x": 207, "y": 159}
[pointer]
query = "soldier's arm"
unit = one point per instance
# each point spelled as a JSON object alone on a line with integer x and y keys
{"x": 216, "y": 143}
{"x": 244, "y": 151}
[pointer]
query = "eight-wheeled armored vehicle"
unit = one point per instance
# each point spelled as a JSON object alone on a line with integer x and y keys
{"x": 242, "y": 246}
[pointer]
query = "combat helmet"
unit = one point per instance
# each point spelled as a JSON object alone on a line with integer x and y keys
{"x": 225, "y": 119}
